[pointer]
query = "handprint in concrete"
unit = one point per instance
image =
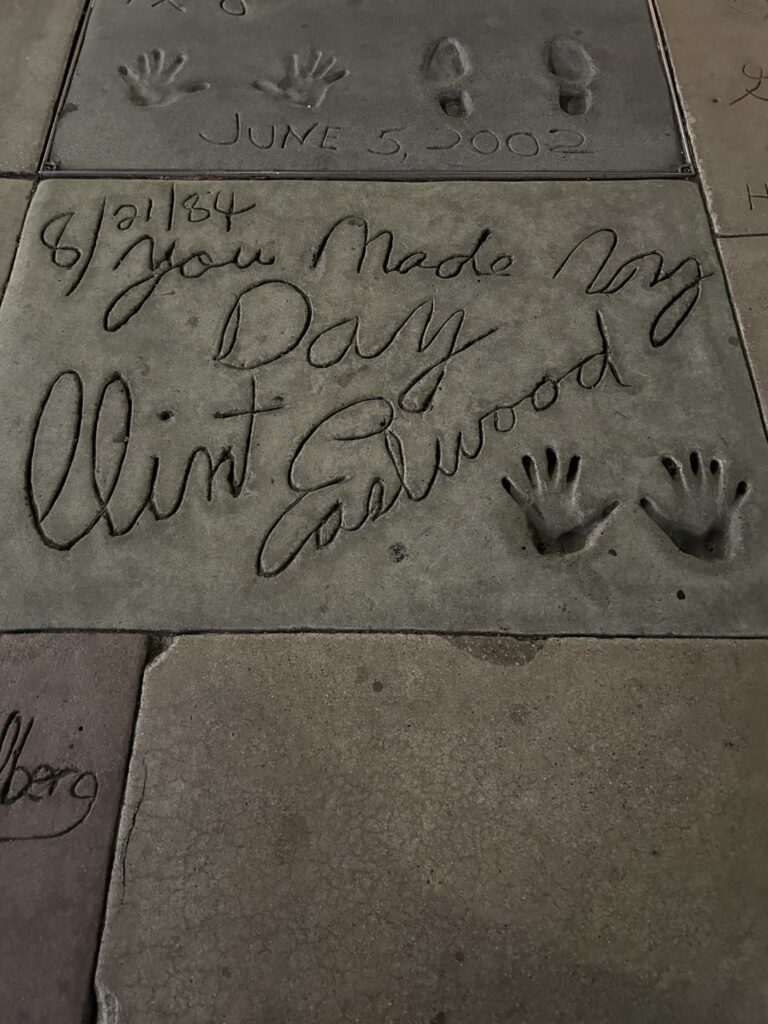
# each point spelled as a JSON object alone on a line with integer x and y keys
{"x": 701, "y": 520}
{"x": 304, "y": 85}
{"x": 556, "y": 519}
{"x": 152, "y": 83}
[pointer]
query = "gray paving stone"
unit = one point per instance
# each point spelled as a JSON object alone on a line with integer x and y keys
{"x": 745, "y": 260}
{"x": 718, "y": 53}
{"x": 36, "y": 37}
{"x": 421, "y": 829}
{"x": 533, "y": 415}
{"x": 14, "y": 198}
{"x": 398, "y": 88}
{"x": 67, "y": 706}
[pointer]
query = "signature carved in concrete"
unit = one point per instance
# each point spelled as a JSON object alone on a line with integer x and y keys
{"x": 434, "y": 393}
{"x": 38, "y": 801}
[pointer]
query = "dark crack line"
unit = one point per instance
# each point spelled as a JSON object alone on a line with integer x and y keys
{"x": 131, "y": 827}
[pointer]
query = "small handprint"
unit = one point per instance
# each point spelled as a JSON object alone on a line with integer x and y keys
{"x": 153, "y": 82}
{"x": 304, "y": 86}
{"x": 703, "y": 523}
{"x": 551, "y": 504}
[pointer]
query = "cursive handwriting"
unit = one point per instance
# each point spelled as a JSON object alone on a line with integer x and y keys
{"x": 354, "y": 232}
{"x": 355, "y": 464}
{"x": 38, "y": 785}
{"x": 680, "y": 284}
{"x": 106, "y": 452}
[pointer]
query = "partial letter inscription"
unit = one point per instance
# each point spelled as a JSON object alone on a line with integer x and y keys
{"x": 243, "y": 398}
{"x": 374, "y": 89}
{"x": 67, "y": 705}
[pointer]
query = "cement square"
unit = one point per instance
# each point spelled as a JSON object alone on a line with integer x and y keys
{"x": 468, "y": 829}
{"x": 305, "y": 405}
{"x": 36, "y": 38}
{"x": 745, "y": 260}
{"x": 717, "y": 48}
{"x": 397, "y": 89}
{"x": 67, "y": 706}
{"x": 14, "y": 198}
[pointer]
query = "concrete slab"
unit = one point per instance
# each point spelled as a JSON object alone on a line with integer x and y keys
{"x": 745, "y": 260}
{"x": 369, "y": 89}
{"x": 14, "y": 199}
{"x": 718, "y": 55}
{"x": 292, "y": 405}
{"x": 36, "y": 37}
{"x": 67, "y": 706}
{"x": 481, "y": 830}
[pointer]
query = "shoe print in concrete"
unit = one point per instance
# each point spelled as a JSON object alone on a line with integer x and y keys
{"x": 481, "y": 830}
{"x": 67, "y": 706}
{"x": 377, "y": 406}
{"x": 394, "y": 89}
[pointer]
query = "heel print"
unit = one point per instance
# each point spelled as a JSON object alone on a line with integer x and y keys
{"x": 575, "y": 71}
{"x": 446, "y": 64}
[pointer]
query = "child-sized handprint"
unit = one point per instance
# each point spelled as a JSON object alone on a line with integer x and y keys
{"x": 703, "y": 522}
{"x": 153, "y": 81}
{"x": 304, "y": 86}
{"x": 556, "y": 521}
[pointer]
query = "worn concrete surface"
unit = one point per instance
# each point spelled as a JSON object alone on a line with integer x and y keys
{"x": 532, "y": 416}
{"x": 14, "y": 198}
{"x": 36, "y": 37}
{"x": 399, "y": 88}
{"x": 67, "y": 705}
{"x": 467, "y": 831}
{"x": 718, "y": 50}
{"x": 745, "y": 262}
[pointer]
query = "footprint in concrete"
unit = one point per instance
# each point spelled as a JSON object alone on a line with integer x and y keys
{"x": 703, "y": 520}
{"x": 446, "y": 63}
{"x": 575, "y": 71}
{"x": 152, "y": 83}
{"x": 550, "y": 501}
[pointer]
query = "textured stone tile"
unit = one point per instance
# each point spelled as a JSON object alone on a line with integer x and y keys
{"x": 745, "y": 261}
{"x": 718, "y": 52}
{"x": 67, "y": 705}
{"x": 14, "y": 197}
{"x": 522, "y": 409}
{"x": 36, "y": 37}
{"x": 478, "y": 830}
{"x": 399, "y": 88}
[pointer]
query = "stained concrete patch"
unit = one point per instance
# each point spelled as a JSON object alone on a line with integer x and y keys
{"x": 377, "y": 406}
{"x": 399, "y": 89}
{"x": 745, "y": 261}
{"x": 390, "y": 828}
{"x": 36, "y": 37}
{"x": 718, "y": 51}
{"x": 14, "y": 197}
{"x": 67, "y": 707}
{"x": 502, "y": 650}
